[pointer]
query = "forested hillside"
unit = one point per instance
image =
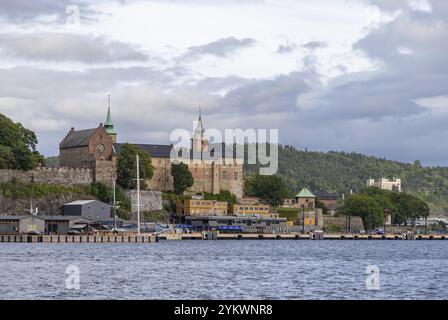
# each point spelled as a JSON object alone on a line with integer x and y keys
{"x": 340, "y": 172}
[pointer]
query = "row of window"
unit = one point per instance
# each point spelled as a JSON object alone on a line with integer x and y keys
{"x": 254, "y": 208}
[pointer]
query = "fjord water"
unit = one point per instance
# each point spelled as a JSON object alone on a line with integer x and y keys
{"x": 226, "y": 270}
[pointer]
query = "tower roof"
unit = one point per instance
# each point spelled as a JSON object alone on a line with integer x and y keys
{"x": 109, "y": 124}
{"x": 305, "y": 193}
{"x": 199, "y": 130}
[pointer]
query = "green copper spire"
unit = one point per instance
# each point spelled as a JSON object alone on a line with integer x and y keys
{"x": 305, "y": 193}
{"x": 109, "y": 124}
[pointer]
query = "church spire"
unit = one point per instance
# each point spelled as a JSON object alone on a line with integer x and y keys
{"x": 199, "y": 131}
{"x": 109, "y": 124}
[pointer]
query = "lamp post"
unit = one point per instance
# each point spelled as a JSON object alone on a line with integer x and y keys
{"x": 386, "y": 213}
{"x": 303, "y": 218}
{"x": 50, "y": 225}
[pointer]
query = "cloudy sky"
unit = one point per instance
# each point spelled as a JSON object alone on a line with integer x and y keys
{"x": 355, "y": 75}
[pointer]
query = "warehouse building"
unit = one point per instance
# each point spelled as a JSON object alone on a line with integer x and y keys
{"x": 21, "y": 224}
{"x": 91, "y": 209}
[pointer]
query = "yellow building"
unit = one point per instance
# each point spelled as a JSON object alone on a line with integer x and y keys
{"x": 254, "y": 210}
{"x": 198, "y": 207}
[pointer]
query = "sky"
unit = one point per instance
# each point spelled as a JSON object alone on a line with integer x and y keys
{"x": 369, "y": 76}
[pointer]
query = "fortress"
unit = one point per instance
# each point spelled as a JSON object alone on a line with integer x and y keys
{"x": 97, "y": 149}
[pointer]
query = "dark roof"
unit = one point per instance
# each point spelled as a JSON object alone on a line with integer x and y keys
{"x": 17, "y": 217}
{"x": 324, "y": 195}
{"x": 164, "y": 151}
{"x": 78, "y": 138}
{"x": 56, "y": 218}
{"x": 154, "y": 150}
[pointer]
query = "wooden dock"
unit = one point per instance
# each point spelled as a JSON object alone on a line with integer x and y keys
{"x": 78, "y": 239}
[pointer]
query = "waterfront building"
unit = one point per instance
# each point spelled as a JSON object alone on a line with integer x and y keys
{"x": 393, "y": 184}
{"x": 243, "y": 223}
{"x": 21, "y": 224}
{"x": 254, "y": 210}
{"x": 304, "y": 199}
{"x": 250, "y": 201}
{"x": 92, "y": 209}
{"x": 57, "y": 224}
{"x": 201, "y": 207}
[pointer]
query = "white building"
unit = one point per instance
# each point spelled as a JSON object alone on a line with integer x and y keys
{"x": 386, "y": 184}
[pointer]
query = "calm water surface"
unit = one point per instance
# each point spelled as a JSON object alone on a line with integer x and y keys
{"x": 226, "y": 270}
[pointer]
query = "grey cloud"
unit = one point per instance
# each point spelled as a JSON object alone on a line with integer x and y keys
{"x": 286, "y": 48}
{"x": 25, "y": 11}
{"x": 314, "y": 45}
{"x": 376, "y": 113}
{"x": 221, "y": 48}
{"x": 57, "y": 47}
{"x": 267, "y": 96}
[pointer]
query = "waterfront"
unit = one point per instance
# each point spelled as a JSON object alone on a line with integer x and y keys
{"x": 226, "y": 270}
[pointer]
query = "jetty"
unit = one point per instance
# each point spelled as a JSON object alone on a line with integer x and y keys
{"x": 78, "y": 238}
{"x": 291, "y": 236}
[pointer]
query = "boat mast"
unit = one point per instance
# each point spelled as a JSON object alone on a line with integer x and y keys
{"x": 138, "y": 195}
{"x": 115, "y": 209}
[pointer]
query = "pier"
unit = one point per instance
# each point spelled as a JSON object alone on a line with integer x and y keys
{"x": 78, "y": 239}
{"x": 286, "y": 236}
{"x": 200, "y": 236}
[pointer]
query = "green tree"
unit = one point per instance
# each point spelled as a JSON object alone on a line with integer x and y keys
{"x": 127, "y": 167}
{"x": 7, "y": 160}
{"x": 269, "y": 188}
{"x": 105, "y": 194}
{"x": 411, "y": 207}
{"x": 182, "y": 178}
{"x": 223, "y": 195}
{"x": 17, "y": 146}
{"x": 367, "y": 208}
{"x": 320, "y": 205}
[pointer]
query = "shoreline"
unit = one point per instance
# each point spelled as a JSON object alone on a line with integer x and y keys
{"x": 152, "y": 238}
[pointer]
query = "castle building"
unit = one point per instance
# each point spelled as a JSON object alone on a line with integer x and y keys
{"x": 386, "y": 184}
{"x": 90, "y": 149}
{"x": 97, "y": 149}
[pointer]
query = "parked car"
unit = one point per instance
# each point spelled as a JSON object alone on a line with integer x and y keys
{"x": 34, "y": 233}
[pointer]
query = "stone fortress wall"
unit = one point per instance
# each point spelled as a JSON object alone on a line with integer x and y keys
{"x": 62, "y": 176}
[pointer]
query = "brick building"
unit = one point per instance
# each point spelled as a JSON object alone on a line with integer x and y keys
{"x": 91, "y": 149}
